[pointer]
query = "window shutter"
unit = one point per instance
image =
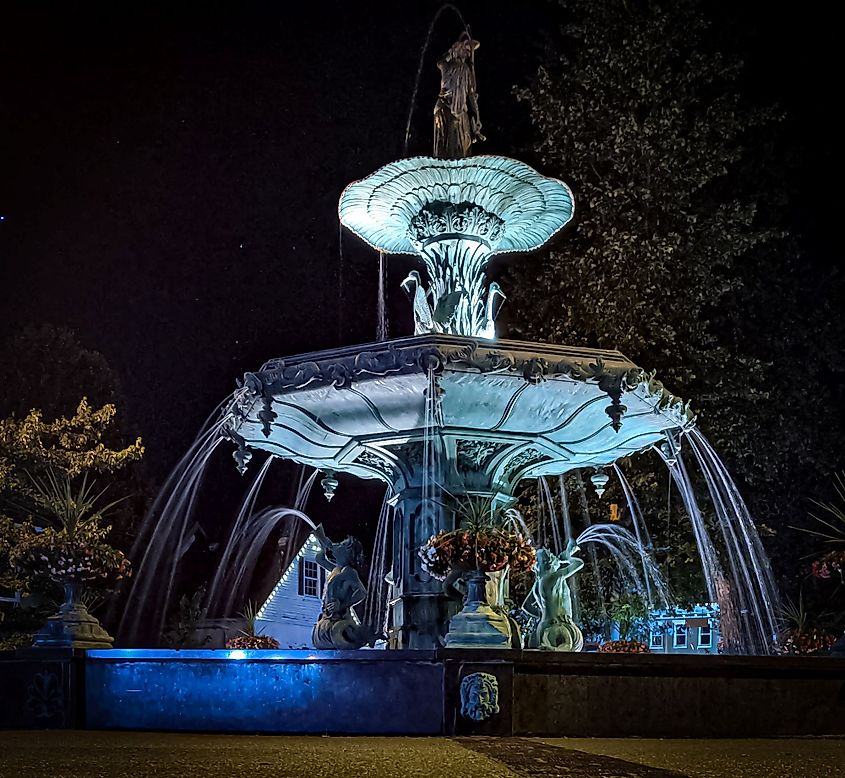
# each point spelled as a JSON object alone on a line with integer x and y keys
{"x": 301, "y": 575}
{"x": 322, "y": 584}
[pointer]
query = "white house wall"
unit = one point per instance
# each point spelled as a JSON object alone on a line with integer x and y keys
{"x": 289, "y": 616}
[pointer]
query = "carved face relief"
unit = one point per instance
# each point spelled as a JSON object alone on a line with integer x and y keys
{"x": 479, "y": 696}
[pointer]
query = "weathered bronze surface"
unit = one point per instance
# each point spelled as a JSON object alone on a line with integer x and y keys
{"x": 456, "y": 122}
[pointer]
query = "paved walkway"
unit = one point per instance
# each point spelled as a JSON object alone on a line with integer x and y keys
{"x": 68, "y": 754}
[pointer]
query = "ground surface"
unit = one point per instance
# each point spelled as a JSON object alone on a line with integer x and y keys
{"x": 68, "y": 754}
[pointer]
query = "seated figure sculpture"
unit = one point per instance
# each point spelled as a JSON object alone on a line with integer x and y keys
{"x": 550, "y": 601}
{"x": 338, "y": 627}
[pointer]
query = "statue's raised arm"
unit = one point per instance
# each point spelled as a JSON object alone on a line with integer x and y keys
{"x": 569, "y": 563}
{"x": 324, "y": 553}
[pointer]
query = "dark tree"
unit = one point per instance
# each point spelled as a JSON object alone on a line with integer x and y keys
{"x": 679, "y": 256}
{"x": 46, "y": 367}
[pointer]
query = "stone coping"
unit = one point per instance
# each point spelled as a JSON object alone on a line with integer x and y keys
{"x": 530, "y": 662}
{"x": 446, "y": 342}
{"x": 258, "y": 655}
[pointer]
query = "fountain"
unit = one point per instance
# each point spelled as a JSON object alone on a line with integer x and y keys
{"x": 453, "y": 415}
{"x": 452, "y": 408}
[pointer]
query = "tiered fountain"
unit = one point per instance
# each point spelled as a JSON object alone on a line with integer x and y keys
{"x": 451, "y": 408}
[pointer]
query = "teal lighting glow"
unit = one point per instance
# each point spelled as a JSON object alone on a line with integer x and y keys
{"x": 381, "y": 207}
{"x": 455, "y": 214}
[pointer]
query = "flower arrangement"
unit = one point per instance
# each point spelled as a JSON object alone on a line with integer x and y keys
{"x": 830, "y": 528}
{"x": 246, "y": 642}
{"x": 488, "y": 549}
{"x": 828, "y": 564}
{"x": 251, "y": 637}
{"x": 813, "y": 641}
{"x": 624, "y": 647}
{"x": 83, "y": 557}
{"x": 803, "y": 630}
{"x": 69, "y": 546}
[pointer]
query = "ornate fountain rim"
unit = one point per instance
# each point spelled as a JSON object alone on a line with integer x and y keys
{"x": 536, "y": 362}
{"x": 266, "y": 404}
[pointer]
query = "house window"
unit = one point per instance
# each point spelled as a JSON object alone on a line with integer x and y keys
{"x": 705, "y": 637}
{"x": 656, "y": 638}
{"x": 680, "y": 636}
{"x": 310, "y": 579}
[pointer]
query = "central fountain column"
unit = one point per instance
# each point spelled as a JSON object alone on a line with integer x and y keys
{"x": 430, "y": 499}
{"x": 420, "y": 611}
{"x": 455, "y": 243}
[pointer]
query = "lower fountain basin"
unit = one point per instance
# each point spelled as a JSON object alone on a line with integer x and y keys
{"x": 418, "y": 692}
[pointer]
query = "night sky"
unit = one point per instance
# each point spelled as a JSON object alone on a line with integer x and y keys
{"x": 169, "y": 180}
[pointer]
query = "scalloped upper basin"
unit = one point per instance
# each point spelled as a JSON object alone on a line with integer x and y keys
{"x": 380, "y": 207}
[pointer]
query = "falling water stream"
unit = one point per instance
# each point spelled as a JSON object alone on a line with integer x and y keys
{"x": 566, "y": 520}
{"x": 375, "y": 606}
{"x": 253, "y": 538}
{"x": 236, "y": 535}
{"x": 161, "y": 540}
{"x": 640, "y": 530}
{"x": 752, "y": 581}
{"x": 170, "y": 527}
{"x": 592, "y": 556}
{"x": 736, "y": 571}
{"x": 637, "y": 570}
{"x": 247, "y": 538}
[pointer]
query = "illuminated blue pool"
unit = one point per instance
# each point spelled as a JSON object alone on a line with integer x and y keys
{"x": 265, "y": 691}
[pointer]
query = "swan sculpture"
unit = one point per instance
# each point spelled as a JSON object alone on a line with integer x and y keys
{"x": 488, "y": 331}
{"x": 423, "y": 321}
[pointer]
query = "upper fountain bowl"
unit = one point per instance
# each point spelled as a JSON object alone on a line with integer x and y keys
{"x": 496, "y": 200}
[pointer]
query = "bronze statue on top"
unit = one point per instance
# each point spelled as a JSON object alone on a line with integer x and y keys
{"x": 456, "y": 122}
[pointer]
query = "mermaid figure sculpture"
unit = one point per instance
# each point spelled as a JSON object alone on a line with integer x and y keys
{"x": 338, "y": 627}
{"x": 550, "y": 601}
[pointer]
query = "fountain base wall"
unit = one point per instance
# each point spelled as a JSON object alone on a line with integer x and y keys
{"x": 418, "y": 692}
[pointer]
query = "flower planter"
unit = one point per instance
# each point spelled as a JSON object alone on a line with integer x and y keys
{"x": 478, "y": 625}
{"x": 72, "y": 626}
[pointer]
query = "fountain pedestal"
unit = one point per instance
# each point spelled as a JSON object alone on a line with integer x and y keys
{"x": 72, "y": 627}
{"x": 478, "y": 625}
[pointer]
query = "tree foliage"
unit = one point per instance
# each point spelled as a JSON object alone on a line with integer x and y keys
{"x": 646, "y": 128}
{"x": 12, "y": 535}
{"x": 34, "y": 452}
{"x": 679, "y": 257}
{"x": 71, "y": 445}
